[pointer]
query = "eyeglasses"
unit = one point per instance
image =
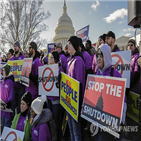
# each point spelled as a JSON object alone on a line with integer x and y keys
{"x": 130, "y": 45}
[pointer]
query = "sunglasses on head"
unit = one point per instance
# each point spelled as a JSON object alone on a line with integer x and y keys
{"x": 130, "y": 45}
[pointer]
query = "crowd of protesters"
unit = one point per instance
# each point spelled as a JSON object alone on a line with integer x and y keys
{"x": 32, "y": 113}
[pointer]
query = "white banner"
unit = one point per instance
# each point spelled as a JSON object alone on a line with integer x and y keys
{"x": 121, "y": 61}
{"x": 48, "y": 77}
{"x": 10, "y": 134}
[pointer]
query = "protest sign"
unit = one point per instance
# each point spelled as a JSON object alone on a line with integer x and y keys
{"x": 48, "y": 77}
{"x": 16, "y": 68}
{"x": 121, "y": 61}
{"x": 26, "y": 69}
{"x": 3, "y": 107}
{"x": 103, "y": 102}
{"x": 10, "y": 134}
{"x": 133, "y": 106}
{"x": 50, "y": 47}
{"x": 83, "y": 33}
{"x": 1, "y": 64}
{"x": 69, "y": 95}
{"x": 45, "y": 52}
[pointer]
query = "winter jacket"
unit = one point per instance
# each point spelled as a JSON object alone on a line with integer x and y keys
{"x": 26, "y": 125}
{"x": 33, "y": 85}
{"x": 40, "y": 129}
{"x": 7, "y": 93}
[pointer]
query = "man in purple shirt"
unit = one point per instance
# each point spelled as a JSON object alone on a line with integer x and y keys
{"x": 110, "y": 40}
{"x": 63, "y": 58}
{"x": 135, "y": 73}
{"x": 33, "y": 76}
{"x": 76, "y": 70}
{"x": 19, "y": 89}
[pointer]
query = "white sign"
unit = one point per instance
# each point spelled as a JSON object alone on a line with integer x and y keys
{"x": 10, "y": 134}
{"x": 48, "y": 77}
{"x": 121, "y": 61}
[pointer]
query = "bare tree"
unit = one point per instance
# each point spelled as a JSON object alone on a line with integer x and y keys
{"x": 22, "y": 20}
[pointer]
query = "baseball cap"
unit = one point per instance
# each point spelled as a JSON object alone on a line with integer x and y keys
{"x": 110, "y": 34}
{"x": 58, "y": 45}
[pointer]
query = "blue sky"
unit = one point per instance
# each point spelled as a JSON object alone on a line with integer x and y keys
{"x": 102, "y": 16}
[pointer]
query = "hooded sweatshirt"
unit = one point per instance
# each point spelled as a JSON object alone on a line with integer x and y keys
{"x": 40, "y": 129}
{"x": 7, "y": 93}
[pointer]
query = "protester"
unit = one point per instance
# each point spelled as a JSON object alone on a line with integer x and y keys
{"x": 135, "y": 72}
{"x": 7, "y": 95}
{"x": 101, "y": 40}
{"x": 110, "y": 40}
{"x": 39, "y": 119}
{"x": 10, "y": 54}
{"x": 53, "y": 102}
{"x": 63, "y": 59}
{"x": 25, "y": 53}
{"x": 4, "y": 59}
{"x": 19, "y": 89}
{"x": 88, "y": 46}
{"x": 104, "y": 62}
{"x": 41, "y": 55}
{"x": 76, "y": 70}
{"x": 33, "y": 76}
{"x": 21, "y": 120}
{"x": 87, "y": 59}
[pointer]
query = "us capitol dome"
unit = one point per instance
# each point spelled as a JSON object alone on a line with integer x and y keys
{"x": 64, "y": 28}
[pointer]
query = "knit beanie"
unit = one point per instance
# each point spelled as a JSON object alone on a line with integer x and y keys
{"x": 55, "y": 55}
{"x": 7, "y": 69}
{"x": 101, "y": 37}
{"x": 11, "y": 51}
{"x": 18, "y": 44}
{"x": 34, "y": 45}
{"x": 132, "y": 41}
{"x": 37, "y": 104}
{"x": 80, "y": 43}
{"x": 27, "y": 97}
{"x": 75, "y": 42}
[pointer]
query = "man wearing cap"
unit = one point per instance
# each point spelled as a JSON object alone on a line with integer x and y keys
{"x": 63, "y": 59}
{"x": 87, "y": 58}
{"x": 76, "y": 70}
{"x": 110, "y": 40}
{"x": 19, "y": 89}
{"x": 101, "y": 40}
{"x": 135, "y": 72}
{"x": 10, "y": 54}
{"x": 33, "y": 76}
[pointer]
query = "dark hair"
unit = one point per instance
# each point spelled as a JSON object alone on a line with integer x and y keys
{"x": 56, "y": 56}
{"x": 89, "y": 42}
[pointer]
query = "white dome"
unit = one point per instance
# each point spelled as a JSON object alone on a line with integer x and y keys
{"x": 64, "y": 28}
{"x": 64, "y": 20}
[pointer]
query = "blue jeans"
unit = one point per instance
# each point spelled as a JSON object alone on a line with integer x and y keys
{"x": 75, "y": 129}
{"x": 5, "y": 122}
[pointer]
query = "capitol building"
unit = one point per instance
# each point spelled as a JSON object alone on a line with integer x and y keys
{"x": 64, "y": 28}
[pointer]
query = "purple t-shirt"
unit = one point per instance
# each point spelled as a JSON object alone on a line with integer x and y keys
{"x": 134, "y": 64}
{"x": 33, "y": 88}
{"x": 21, "y": 123}
{"x": 7, "y": 94}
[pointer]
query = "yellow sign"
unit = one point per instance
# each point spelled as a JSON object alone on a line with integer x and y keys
{"x": 45, "y": 52}
{"x": 69, "y": 95}
{"x": 133, "y": 106}
{"x": 16, "y": 68}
